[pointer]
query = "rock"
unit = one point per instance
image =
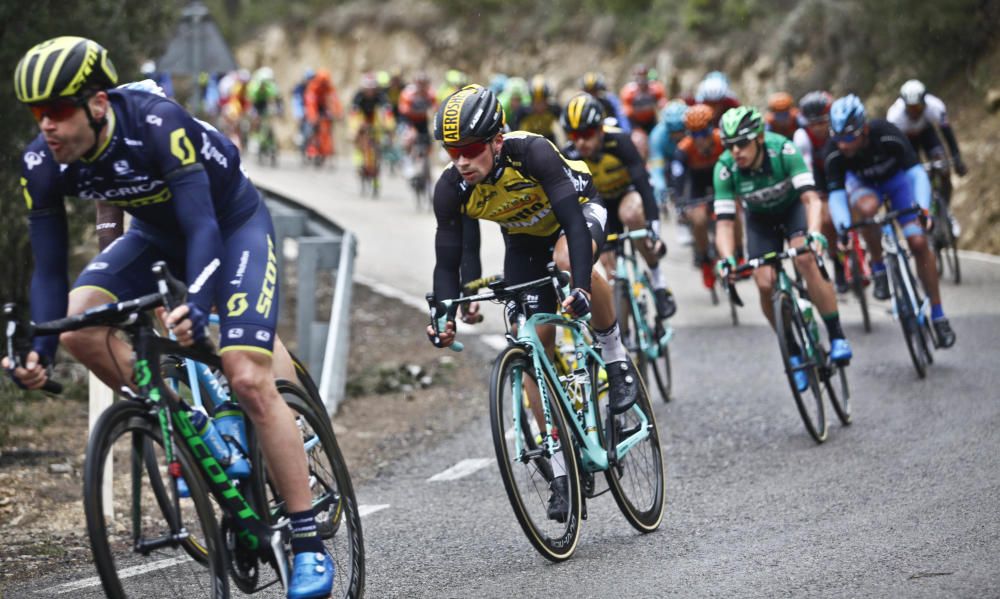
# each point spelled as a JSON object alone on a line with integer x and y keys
{"x": 993, "y": 100}
{"x": 60, "y": 468}
{"x": 406, "y": 388}
{"x": 446, "y": 362}
{"x": 426, "y": 381}
{"x": 414, "y": 370}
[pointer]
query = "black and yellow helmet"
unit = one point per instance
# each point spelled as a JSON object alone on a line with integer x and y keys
{"x": 473, "y": 113}
{"x": 582, "y": 112}
{"x": 63, "y": 67}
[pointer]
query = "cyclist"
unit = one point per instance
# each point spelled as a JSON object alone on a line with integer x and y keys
{"x": 623, "y": 184}
{"x": 454, "y": 80}
{"x": 641, "y": 99}
{"x": 415, "y": 103}
{"x": 514, "y": 97}
{"x": 766, "y": 173}
{"x": 323, "y": 107}
{"x": 714, "y": 90}
{"x": 595, "y": 85}
{"x": 923, "y": 117}
{"x": 299, "y": 109}
{"x": 193, "y": 208}
{"x": 547, "y": 209}
{"x": 371, "y": 118}
{"x": 867, "y": 160}
{"x": 782, "y": 116}
{"x": 691, "y": 171}
{"x": 810, "y": 139}
{"x": 542, "y": 114}
{"x": 264, "y": 96}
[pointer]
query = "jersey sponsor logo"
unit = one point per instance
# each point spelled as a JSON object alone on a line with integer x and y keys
{"x": 27, "y": 196}
{"x": 210, "y": 152}
{"x": 133, "y": 142}
{"x": 33, "y": 159}
{"x": 120, "y": 192}
{"x": 724, "y": 173}
{"x": 450, "y": 117}
{"x": 577, "y": 179}
{"x": 234, "y": 333}
{"x": 180, "y": 146}
{"x": 266, "y": 297}
{"x": 237, "y": 304}
{"x": 206, "y": 272}
{"x": 766, "y": 196}
{"x": 264, "y": 336}
{"x": 158, "y": 198}
{"x": 787, "y": 148}
{"x": 121, "y": 167}
{"x": 97, "y": 266}
{"x": 241, "y": 269}
{"x": 152, "y": 119}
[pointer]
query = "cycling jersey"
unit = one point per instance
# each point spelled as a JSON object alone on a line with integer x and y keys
{"x": 369, "y": 105}
{"x": 613, "y": 109}
{"x": 771, "y": 189}
{"x": 661, "y": 150}
{"x": 534, "y": 191}
{"x": 690, "y": 165}
{"x": 542, "y": 123}
{"x": 415, "y": 105}
{"x": 811, "y": 149}
{"x": 921, "y": 131}
{"x": 617, "y": 168}
{"x": 641, "y": 104}
{"x": 180, "y": 179}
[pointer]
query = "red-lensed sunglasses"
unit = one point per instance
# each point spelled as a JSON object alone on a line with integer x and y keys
{"x": 583, "y": 133}
{"x": 56, "y": 110}
{"x": 469, "y": 151}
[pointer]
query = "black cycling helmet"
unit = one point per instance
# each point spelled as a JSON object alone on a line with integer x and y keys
{"x": 471, "y": 114}
{"x": 815, "y": 106}
{"x": 582, "y": 112}
{"x": 63, "y": 67}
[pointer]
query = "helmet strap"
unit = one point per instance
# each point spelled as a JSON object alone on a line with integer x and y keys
{"x": 97, "y": 125}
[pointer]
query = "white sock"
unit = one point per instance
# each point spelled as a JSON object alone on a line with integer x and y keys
{"x": 558, "y": 465}
{"x": 656, "y": 278}
{"x": 612, "y": 349}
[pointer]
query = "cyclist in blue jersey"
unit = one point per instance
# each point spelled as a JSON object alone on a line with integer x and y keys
{"x": 866, "y": 161}
{"x": 192, "y": 206}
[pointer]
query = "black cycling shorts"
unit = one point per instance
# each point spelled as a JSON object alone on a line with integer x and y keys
{"x": 768, "y": 232}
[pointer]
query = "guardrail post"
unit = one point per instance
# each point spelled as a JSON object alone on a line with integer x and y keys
{"x": 334, "y": 380}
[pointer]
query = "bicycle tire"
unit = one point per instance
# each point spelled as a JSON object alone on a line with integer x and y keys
{"x": 630, "y": 327}
{"x": 533, "y": 470}
{"x": 907, "y": 319}
{"x": 339, "y": 521}
{"x": 172, "y": 566}
{"x": 788, "y": 320}
{"x": 642, "y": 508}
{"x": 839, "y": 392}
{"x": 662, "y": 371}
{"x": 858, "y": 288}
{"x": 949, "y": 249}
{"x": 733, "y": 314}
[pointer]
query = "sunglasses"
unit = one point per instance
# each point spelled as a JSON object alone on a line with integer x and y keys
{"x": 583, "y": 134}
{"x": 467, "y": 151}
{"x": 56, "y": 110}
{"x": 847, "y": 137}
{"x": 700, "y": 133}
{"x": 741, "y": 143}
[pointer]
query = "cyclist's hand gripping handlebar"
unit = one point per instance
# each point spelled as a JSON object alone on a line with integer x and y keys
{"x": 439, "y": 324}
{"x": 18, "y": 336}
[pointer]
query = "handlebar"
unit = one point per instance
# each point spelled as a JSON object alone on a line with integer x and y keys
{"x": 771, "y": 258}
{"x": 881, "y": 219}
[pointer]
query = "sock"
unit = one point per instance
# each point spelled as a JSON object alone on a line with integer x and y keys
{"x": 612, "y": 349}
{"x": 937, "y": 312}
{"x": 304, "y": 535}
{"x": 832, "y": 322}
{"x": 878, "y": 267}
{"x": 558, "y": 463}
{"x": 656, "y": 277}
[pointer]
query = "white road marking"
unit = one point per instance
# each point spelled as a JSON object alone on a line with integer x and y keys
{"x": 391, "y": 292}
{"x": 365, "y": 510}
{"x": 463, "y": 468}
{"x": 980, "y": 256}
{"x": 124, "y": 573}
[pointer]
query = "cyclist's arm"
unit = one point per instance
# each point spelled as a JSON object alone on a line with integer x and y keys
{"x": 840, "y": 212}
{"x": 938, "y": 112}
{"x": 678, "y": 173}
{"x": 564, "y": 187}
{"x": 658, "y": 160}
{"x": 640, "y": 179}
{"x": 472, "y": 266}
{"x": 725, "y": 208}
{"x": 619, "y": 114}
{"x": 448, "y": 240}
{"x": 110, "y": 224}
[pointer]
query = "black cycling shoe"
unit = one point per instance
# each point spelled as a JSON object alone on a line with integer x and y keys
{"x": 559, "y": 499}
{"x": 665, "y": 304}
{"x": 880, "y": 285}
{"x": 946, "y": 336}
{"x": 624, "y": 384}
{"x": 838, "y": 277}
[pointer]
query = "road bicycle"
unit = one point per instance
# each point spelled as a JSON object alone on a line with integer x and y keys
{"x": 943, "y": 237}
{"x": 909, "y": 307}
{"x": 368, "y": 160}
{"x": 544, "y": 422}
{"x": 149, "y": 535}
{"x": 418, "y": 172}
{"x": 646, "y": 336}
{"x": 802, "y": 348}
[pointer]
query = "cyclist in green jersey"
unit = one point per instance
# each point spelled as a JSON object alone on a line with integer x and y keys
{"x": 766, "y": 172}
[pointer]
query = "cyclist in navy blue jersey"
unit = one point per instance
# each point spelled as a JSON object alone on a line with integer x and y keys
{"x": 192, "y": 206}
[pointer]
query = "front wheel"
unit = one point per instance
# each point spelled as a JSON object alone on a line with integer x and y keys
{"x": 794, "y": 340}
{"x": 143, "y": 535}
{"x": 912, "y": 333}
{"x": 662, "y": 374}
{"x": 529, "y": 459}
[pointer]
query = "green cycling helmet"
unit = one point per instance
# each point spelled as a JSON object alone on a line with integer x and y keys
{"x": 743, "y": 122}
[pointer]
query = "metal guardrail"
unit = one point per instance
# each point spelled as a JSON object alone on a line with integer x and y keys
{"x": 322, "y": 245}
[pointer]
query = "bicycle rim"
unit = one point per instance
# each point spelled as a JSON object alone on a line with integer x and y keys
{"x": 127, "y": 439}
{"x": 526, "y": 474}
{"x": 788, "y": 324}
{"x": 839, "y": 392}
{"x": 636, "y": 478}
{"x": 907, "y": 319}
{"x": 337, "y": 517}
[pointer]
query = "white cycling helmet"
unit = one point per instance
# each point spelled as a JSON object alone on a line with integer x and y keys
{"x": 711, "y": 90}
{"x": 912, "y": 92}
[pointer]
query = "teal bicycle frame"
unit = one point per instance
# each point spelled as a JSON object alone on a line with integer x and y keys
{"x": 627, "y": 269}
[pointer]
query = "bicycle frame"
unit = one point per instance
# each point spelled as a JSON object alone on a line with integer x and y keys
{"x": 627, "y": 269}
{"x": 892, "y": 248}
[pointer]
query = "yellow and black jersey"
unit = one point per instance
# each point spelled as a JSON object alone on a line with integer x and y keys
{"x": 617, "y": 168}
{"x": 541, "y": 122}
{"x": 534, "y": 190}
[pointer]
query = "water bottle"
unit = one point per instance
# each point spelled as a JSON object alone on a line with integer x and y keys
{"x": 229, "y": 456}
{"x": 231, "y": 425}
{"x": 807, "y": 314}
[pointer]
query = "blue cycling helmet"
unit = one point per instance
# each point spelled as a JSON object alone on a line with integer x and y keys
{"x": 672, "y": 115}
{"x": 847, "y": 115}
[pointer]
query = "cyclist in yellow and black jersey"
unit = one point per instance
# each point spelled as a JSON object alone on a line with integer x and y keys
{"x": 547, "y": 208}
{"x": 622, "y": 181}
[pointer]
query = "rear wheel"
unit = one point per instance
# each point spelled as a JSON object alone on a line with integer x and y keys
{"x": 912, "y": 333}
{"x": 527, "y": 461}
{"x": 793, "y": 340}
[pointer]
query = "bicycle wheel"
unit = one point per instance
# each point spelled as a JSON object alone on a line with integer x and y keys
{"x": 790, "y": 327}
{"x": 733, "y": 315}
{"x": 143, "y": 536}
{"x": 912, "y": 333}
{"x": 839, "y": 392}
{"x": 629, "y": 326}
{"x": 337, "y": 517}
{"x": 527, "y": 470}
{"x": 947, "y": 250}
{"x": 662, "y": 374}
{"x": 636, "y": 477}
{"x": 858, "y": 288}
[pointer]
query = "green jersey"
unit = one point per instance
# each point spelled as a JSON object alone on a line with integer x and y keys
{"x": 771, "y": 189}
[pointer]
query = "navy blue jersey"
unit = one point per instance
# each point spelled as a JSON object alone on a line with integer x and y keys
{"x": 179, "y": 178}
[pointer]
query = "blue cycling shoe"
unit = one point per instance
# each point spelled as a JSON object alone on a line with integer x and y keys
{"x": 312, "y": 576}
{"x": 801, "y": 378}
{"x": 840, "y": 350}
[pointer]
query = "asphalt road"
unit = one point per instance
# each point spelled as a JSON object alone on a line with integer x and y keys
{"x": 904, "y": 502}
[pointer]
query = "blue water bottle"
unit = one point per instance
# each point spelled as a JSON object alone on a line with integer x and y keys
{"x": 231, "y": 425}
{"x": 229, "y": 456}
